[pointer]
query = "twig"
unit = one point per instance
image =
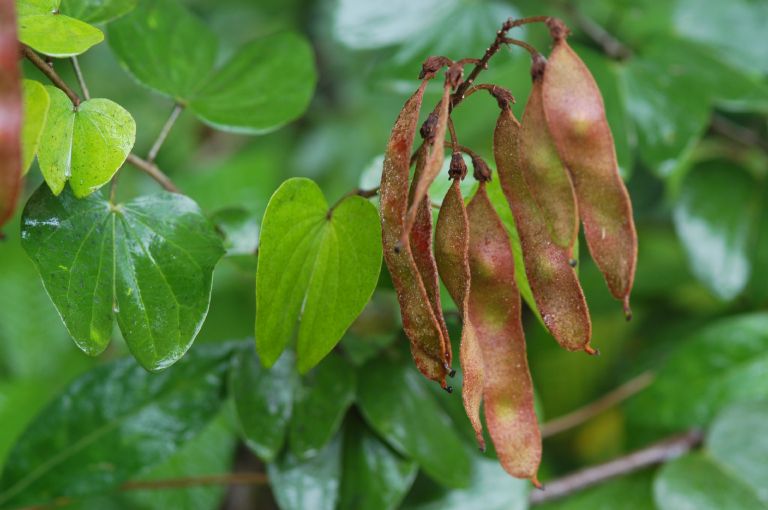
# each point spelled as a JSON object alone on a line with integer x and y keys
{"x": 52, "y": 75}
{"x": 527, "y": 47}
{"x": 610, "y": 45}
{"x": 738, "y": 133}
{"x": 80, "y": 78}
{"x": 462, "y": 148}
{"x": 365, "y": 193}
{"x": 177, "y": 109}
{"x": 454, "y": 138}
{"x": 655, "y": 454}
{"x": 583, "y": 414}
{"x": 154, "y": 172}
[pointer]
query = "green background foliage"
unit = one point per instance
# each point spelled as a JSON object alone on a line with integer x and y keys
{"x": 321, "y": 82}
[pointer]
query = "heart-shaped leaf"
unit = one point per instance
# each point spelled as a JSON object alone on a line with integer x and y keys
{"x": 148, "y": 261}
{"x": 44, "y": 29}
{"x": 84, "y": 145}
{"x": 317, "y": 267}
{"x": 36, "y": 104}
{"x": 97, "y": 11}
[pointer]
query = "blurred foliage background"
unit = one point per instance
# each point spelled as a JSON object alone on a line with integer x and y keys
{"x": 685, "y": 87}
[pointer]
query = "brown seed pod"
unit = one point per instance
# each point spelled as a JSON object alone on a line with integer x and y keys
{"x": 10, "y": 119}
{"x": 452, "y": 255}
{"x": 576, "y": 118}
{"x": 553, "y": 281}
{"x": 419, "y": 321}
{"x": 494, "y": 311}
{"x": 547, "y": 178}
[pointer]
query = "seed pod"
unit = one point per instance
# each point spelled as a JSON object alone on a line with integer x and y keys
{"x": 419, "y": 322}
{"x": 494, "y": 311}
{"x": 452, "y": 255}
{"x": 10, "y": 116}
{"x": 553, "y": 281}
{"x": 544, "y": 173}
{"x": 576, "y": 118}
{"x": 434, "y": 162}
{"x": 421, "y": 248}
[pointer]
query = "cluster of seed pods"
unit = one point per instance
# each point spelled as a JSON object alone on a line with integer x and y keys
{"x": 557, "y": 169}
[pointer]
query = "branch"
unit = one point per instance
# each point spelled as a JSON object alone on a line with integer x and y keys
{"x": 177, "y": 109}
{"x": 154, "y": 172}
{"x": 610, "y": 45}
{"x": 655, "y": 454}
{"x": 583, "y": 414}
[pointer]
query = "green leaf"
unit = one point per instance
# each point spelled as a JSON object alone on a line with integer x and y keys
{"x": 97, "y": 11}
{"x": 177, "y": 50}
{"x": 84, "y": 145}
{"x": 148, "y": 261}
{"x": 634, "y": 492}
{"x": 314, "y": 483}
{"x": 397, "y": 405}
{"x": 42, "y": 28}
{"x": 240, "y": 231}
{"x": 36, "y": 104}
{"x": 263, "y": 401}
{"x": 316, "y": 266}
{"x": 112, "y": 423}
{"x": 322, "y": 399}
{"x": 266, "y": 84}
{"x": 374, "y": 475}
{"x": 713, "y": 218}
{"x": 735, "y": 442}
{"x": 696, "y": 482}
{"x": 719, "y": 365}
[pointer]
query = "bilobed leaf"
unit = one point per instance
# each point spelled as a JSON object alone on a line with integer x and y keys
{"x": 149, "y": 262}
{"x": 374, "y": 476}
{"x": 36, "y": 104}
{"x": 396, "y": 403}
{"x": 696, "y": 482}
{"x": 267, "y": 83}
{"x": 720, "y": 365}
{"x": 112, "y": 423}
{"x": 322, "y": 398}
{"x": 263, "y": 401}
{"x": 713, "y": 219}
{"x": 97, "y": 11}
{"x": 316, "y": 267}
{"x": 313, "y": 483}
{"x": 84, "y": 145}
{"x": 42, "y": 28}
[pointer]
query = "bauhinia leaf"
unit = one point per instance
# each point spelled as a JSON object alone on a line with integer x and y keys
{"x": 149, "y": 262}
{"x": 97, "y": 11}
{"x": 10, "y": 115}
{"x": 44, "y": 29}
{"x": 36, "y": 104}
{"x": 84, "y": 145}
{"x": 111, "y": 424}
{"x": 317, "y": 266}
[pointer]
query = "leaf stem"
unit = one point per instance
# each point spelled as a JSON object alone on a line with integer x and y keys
{"x": 50, "y": 73}
{"x": 177, "y": 109}
{"x": 154, "y": 172}
{"x": 80, "y": 78}
{"x": 365, "y": 193}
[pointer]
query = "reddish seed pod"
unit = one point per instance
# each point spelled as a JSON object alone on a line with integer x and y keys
{"x": 494, "y": 311}
{"x": 10, "y": 118}
{"x": 576, "y": 118}
{"x": 547, "y": 178}
{"x": 553, "y": 281}
{"x": 452, "y": 255}
{"x": 419, "y": 321}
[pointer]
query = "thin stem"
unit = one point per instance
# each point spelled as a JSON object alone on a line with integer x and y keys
{"x": 610, "y": 45}
{"x": 529, "y": 48}
{"x": 154, "y": 172}
{"x": 177, "y": 109}
{"x": 657, "y": 453}
{"x": 52, "y": 75}
{"x": 113, "y": 188}
{"x": 738, "y": 133}
{"x": 462, "y": 148}
{"x": 454, "y": 138}
{"x": 80, "y": 78}
{"x": 583, "y": 414}
{"x": 365, "y": 193}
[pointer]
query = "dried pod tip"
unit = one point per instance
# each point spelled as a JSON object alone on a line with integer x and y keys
{"x": 452, "y": 373}
{"x": 536, "y": 483}
{"x": 454, "y": 75}
{"x": 432, "y": 65}
{"x": 591, "y": 350}
{"x": 503, "y": 97}
{"x": 449, "y": 389}
{"x": 573, "y": 262}
{"x": 427, "y": 130}
{"x": 627, "y": 309}
{"x": 557, "y": 29}
{"x": 458, "y": 168}
{"x": 538, "y": 66}
{"x": 482, "y": 172}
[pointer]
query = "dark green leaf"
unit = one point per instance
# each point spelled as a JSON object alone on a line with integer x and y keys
{"x": 263, "y": 399}
{"x": 721, "y": 364}
{"x": 266, "y": 84}
{"x": 97, "y": 11}
{"x": 148, "y": 261}
{"x": 697, "y": 482}
{"x": 114, "y": 422}
{"x": 375, "y": 477}
{"x": 314, "y": 483}
{"x": 713, "y": 218}
{"x": 397, "y": 405}
{"x": 315, "y": 267}
{"x": 240, "y": 230}
{"x": 42, "y": 28}
{"x": 634, "y": 492}
{"x": 36, "y": 104}
{"x": 322, "y": 399}
{"x": 84, "y": 145}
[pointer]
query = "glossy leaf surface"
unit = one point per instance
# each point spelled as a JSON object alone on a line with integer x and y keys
{"x": 97, "y": 11}
{"x": 42, "y": 28}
